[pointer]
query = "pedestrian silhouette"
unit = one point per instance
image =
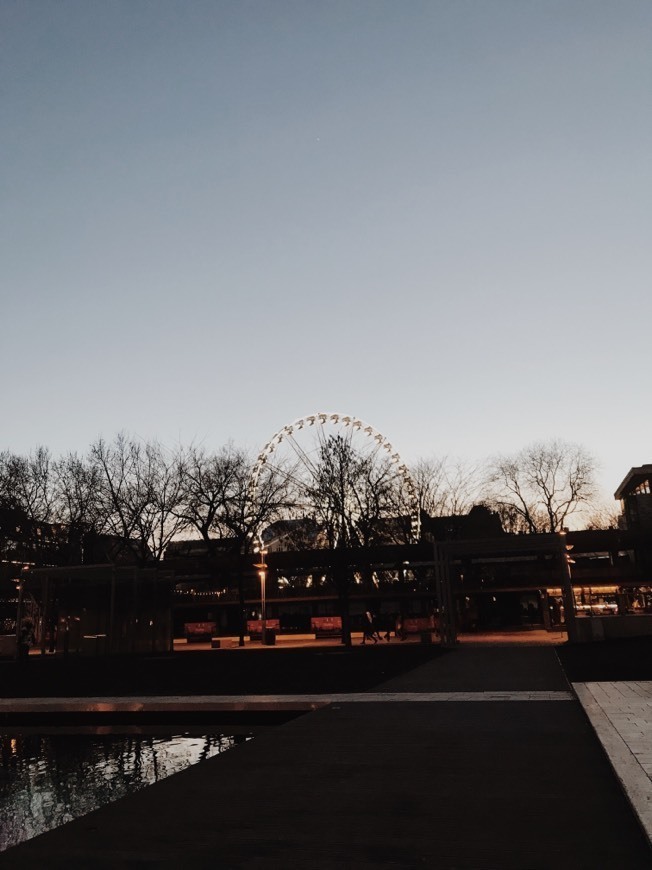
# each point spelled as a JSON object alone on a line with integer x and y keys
{"x": 369, "y": 629}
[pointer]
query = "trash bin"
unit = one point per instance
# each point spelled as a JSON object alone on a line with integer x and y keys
{"x": 269, "y": 637}
{"x": 426, "y": 636}
{"x": 8, "y": 646}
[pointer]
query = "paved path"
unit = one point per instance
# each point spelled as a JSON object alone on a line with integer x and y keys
{"x": 513, "y": 783}
{"x": 621, "y": 716}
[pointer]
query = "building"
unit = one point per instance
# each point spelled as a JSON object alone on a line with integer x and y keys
{"x": 635, "y": 496}
{"x": 494, "y": 580}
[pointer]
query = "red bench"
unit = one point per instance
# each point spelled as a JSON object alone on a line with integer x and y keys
{"x": 199, "y": 632}
{"x": 326, "y": 626}
{"x": 255, "y": 627}
{"x": 417, "y": 624}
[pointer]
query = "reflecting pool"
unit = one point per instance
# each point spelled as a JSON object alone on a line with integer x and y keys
{"x": 47, "y": 779}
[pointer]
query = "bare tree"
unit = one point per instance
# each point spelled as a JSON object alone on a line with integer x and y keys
{"x": 541, "y": 488}
{"x": 116, "y": 465}
{"x": 141, "y": 490}
{"x": 242, "y": 516}
{"x": 216, "y": 502}
{"x": 429, "y": 476}
{"x": 209, "y": 482}
{"x": 159, "y": 522}
{"x": 216, "y": 498}
{"x": 77, "y": 504}
{"x": 26, "y": 483}
{"x": 7, "y": 497}
{"x": 353, "y": 497}
{"x": 603, "y": 515}
{"x": 446, "y": 487}
{"x": 26, "y": 489}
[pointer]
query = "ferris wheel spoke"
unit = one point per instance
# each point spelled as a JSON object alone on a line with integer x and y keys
{"x": 376, "y": 449}
{"x": 288, "y": 476}
{"x": 301, "y": 453}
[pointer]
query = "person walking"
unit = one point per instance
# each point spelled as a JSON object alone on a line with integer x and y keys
{"x": 26, "y": 638}
{"x": 368, "y": 628}
{"x": 387, "y": 624}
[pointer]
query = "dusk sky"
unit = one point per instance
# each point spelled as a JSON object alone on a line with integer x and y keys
{"x": 220, "y": 216}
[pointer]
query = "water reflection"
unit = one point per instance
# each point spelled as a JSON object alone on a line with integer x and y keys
{"x": 49, "y": 779}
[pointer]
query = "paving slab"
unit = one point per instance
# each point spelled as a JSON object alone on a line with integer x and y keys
{"x": 621, "y": 716}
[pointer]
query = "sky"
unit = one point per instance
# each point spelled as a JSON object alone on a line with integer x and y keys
{"x": 218, "y": 217}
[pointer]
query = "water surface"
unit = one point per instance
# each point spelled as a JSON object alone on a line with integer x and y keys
{"x": 47, "y": 779}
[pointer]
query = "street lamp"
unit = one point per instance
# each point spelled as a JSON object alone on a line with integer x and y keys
{"x": 262, "y": 573}
{"x": 19, "y": 612}
{"x": 567, "y": 588}
{"x": 20, "y": 588}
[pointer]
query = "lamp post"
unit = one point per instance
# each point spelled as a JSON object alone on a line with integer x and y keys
{"x": 262, "y": 573}
{"x": 567, "y": 588}
{"x": 20, "y": 588}
{"x": 447, "y": 630}
{"x": 19, "y": 617}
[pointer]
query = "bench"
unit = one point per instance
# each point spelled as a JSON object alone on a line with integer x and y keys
{"x": 255, "y": 627}
{"x": 199, "y": 632}
{"x": 417, "y": 624}
{"x": 422, "y": 625}
{"x": 326, "y": 626}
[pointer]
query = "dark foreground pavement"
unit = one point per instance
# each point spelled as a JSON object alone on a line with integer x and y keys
{"x": 465, "y": 784}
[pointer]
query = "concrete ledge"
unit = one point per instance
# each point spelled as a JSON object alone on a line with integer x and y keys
{"x": 253, "y": 703}
{"x": 598, "y": 628}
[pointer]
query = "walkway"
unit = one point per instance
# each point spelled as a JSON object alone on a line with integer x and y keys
{"x": 621, "y": 716}
{"x": 476, "y": 759}
{"x": 522, "y": 637}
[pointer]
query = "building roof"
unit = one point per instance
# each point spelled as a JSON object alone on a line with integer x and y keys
{"x": 184, "y": 547}
{"x": 480, "y": 522}
{"x": 635, "y": 476}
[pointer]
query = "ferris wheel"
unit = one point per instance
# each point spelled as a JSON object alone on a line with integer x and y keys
{"x": 297, "y": 453}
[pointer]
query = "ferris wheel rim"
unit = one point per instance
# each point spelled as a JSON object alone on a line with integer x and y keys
{"x": 347, "y": 420}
